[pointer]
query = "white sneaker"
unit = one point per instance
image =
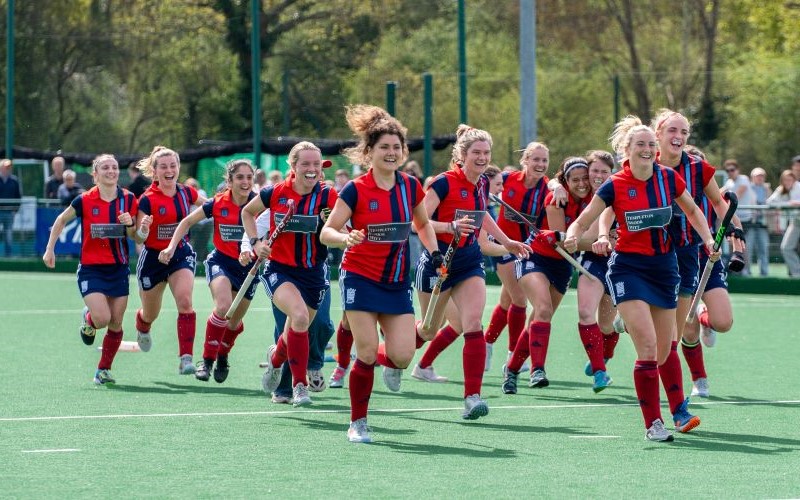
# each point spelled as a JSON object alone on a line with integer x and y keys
{"x": 144, "y": 340}
{"x": 359, "y": 432}
{"x": 427, "y": 375}
{"x": 337, "y": 377}
{"x": 619, "y": 324}
{"x": 301, "y": 397}
{"x": 272, "y": 376}
{"x": 316, "y": 380}
{"x": 707, "y": 334}
{"x": 700, "y": 387}
{"x": 280, "y": 399}
{"x": 392, "y": 378}
{"x": 474, "y": 407}
{"x": 657, "y": 432}
{"x": 488, "y": 365}
{"x": 186, "y": 366}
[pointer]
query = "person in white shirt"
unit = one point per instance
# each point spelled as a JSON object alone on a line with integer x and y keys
{"x": 788, "y": 194}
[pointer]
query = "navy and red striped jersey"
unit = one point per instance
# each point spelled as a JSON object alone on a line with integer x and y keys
{"x": 228, "y": 228}
{"x": 572, "y": 210}
{"x": 104, "y": 240}
{"x": 167, "y": 212}
{"x": 529, "y": 202}
{"x": 298, "y": 245}
{"x": 697, "y": 173}
{"x": 643, "y": 208}
{"x": 385, "y": 217}
{"x": 458, "y": 197}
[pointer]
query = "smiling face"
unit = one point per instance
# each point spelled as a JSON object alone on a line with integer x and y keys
{"x": 535, "y": 162}
{"x": 642, "y": 149}
{"x": 241, "y": 180}
{"x": 599, "y": 171}
{"x": 387, "y": 154}
{"x": 105, "y": 171}
{"x": 578, "y": 182}
{"x": 478, "y": 157}
{"x": 496, "y": 184}
{"x": 166, "y": 170}
{"x": 673, "y": 135}
{"x": 308, "y": 169}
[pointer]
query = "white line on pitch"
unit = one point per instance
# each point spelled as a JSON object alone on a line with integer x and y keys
{"x": 62, "y": 450}
{"x": 376, "y": 410}
{"x": 595, "y": 437}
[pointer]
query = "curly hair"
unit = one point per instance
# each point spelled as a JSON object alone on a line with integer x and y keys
{"x": 369, "y": 123}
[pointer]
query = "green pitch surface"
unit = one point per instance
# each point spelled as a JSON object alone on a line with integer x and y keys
{"x": 160, "y": 434}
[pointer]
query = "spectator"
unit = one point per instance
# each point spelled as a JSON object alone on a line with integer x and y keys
{"x": 274, "y": 177}
{"x": 139, "y": 183}
{"x": 201, "y": 232}
{"x": 9, "y": 191}
{"x": 70, "y": 188}
{"x": 259, "y": 180}
{"x": 413, "y": 169}
{"x": 788, "y": 194}
{"x": 341, "y": 177}
{"x": 55, "y": 180}
{"x": 739, "y": 184}
{"x": 757, "y": 235}
{"x": 796, "y": 167}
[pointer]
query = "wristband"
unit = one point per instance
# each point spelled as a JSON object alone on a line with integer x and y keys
{"x": 130, "y": 225}
{"x": 454, "y": 226}
{"x": 141, "y": 235}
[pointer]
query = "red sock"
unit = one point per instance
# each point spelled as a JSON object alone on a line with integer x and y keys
{"x": 521, "y": 352}
{"x": 702, "y": 318}
{"x": 361, "y": 380}
{"x": 440, "y": 342}
{"x": 111, "y": 343}
{"x": 516, "y": 323}
{"x": 693, "y": 354}
{"x": 229, "y": 338}
{"x": 497, "y": 322}
{"x": 672, "y": 378}
{"x": 89, "y": 320}
{"x": 187, "y": 324}
{"x": 592, "y": 339}
{"x": 609, "y": 344}
{"x": 142, "y": 325}
{"x": 281, "y": 352}
{"x": 419, "y": 341}
{"x": 383, "y": 359}
{"x": 474, "y": 359}
{"x": 298, "y": 356}
{"x": 645, "y": 379}
{"x": 344, "y": 345}
{"x": 539, "y": 340}
{"x": 215, "y": 330}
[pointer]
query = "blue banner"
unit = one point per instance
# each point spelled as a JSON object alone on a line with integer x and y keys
{"x": 69, "y": 243}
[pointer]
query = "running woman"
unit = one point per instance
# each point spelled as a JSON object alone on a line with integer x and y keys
{"x": 107, "y": 214}
{"x": 224, "y": 272}
{"x": 381, "y": 206}
{"x": 641, "y": 195}
{"x": 295, "y": 276}
{"x": 166, "y": 203}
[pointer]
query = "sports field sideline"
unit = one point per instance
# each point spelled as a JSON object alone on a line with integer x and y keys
{"x": 160, "y": 434}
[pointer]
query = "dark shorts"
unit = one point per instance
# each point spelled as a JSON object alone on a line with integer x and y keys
{"x": 218, "y": 264}
{"x": 688, "y": 268}
{"x": 719, "y": 275}
{"x": 557, "y": 271}
{"x": 597, "y": 265}
{"x": 505, "y": 259}
{"x": 363, "y": 294}
{"x": 150, "y": 272}
{"x": 651, "y": 278}
{"x": 467, "y": 262}
{"x": 311, "y": 283}
{"x": 110, "y": 280}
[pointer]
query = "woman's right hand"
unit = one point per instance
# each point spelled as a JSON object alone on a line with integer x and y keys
{"x": 49, "y": 258}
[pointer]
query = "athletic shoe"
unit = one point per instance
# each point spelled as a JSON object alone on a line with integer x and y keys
{"x": 281, "y": 399}
{"x": 221, "y": 369}
{"x": 538, "y": 379}
{"x": 272, "y": 376}
{"x": 300, "y": 395}
{"x": 86, "y": 330}
{"x": 316, "y": 381}
{"x": 144, "y": 340}
{"x": 186, "y": 367}
{"x": 526, "y": 366}
{"x": 488, "y": 365}
{"x": 359, "y": 432}
{"x": 509, "y": 381}
{"x": 392, "y": 378}
{"x": 102, "y": 377}
{"x": 700, "y": 387}
{"x": 707, "y": 334}
{"x": 601, "y": 381}
{"x": 587, "y": 369}
{"x": 619, "y": 325}
{"x": 337, "y": 377}
{"x": 657, "y": 432}
{"x": 685, "y": 421}
{"x": 427, "y": 375}
{"x": 203, "y": 371}
{"x": 474, "y": 407}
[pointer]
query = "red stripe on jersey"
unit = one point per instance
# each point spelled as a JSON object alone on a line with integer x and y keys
{"x": 93, "y": 210}
{"x": 228, "y": 228}
{"x": 456, "y": 192}
{"x": 167, "y": 211}
{"x": 572, "y": 210}
{"x": 526, "y": 201}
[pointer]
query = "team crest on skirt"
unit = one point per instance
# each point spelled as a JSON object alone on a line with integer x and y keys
{"x": 350, "y": 295}
{"x": 619, "y": 288}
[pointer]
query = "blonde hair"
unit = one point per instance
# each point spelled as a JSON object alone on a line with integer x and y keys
{"x": 623, "y": 132}
{"x": 529, "y": 148}
{"x": 369, "y": 123}
{"x": 294, "y": 153}
{"x": 664, "y": 114}
{"x": 147, "y": 166}
{"x": 466, "y": 136}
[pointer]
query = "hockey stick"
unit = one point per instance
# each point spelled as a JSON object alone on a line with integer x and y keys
{"x": 535, "y": 230}
{"x": 733, "y": 202}
{"x": 279, "y": 227}
{"x": 443, "y": 271}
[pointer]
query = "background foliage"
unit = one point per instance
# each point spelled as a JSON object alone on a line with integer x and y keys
{"x": 124, "y": 75}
